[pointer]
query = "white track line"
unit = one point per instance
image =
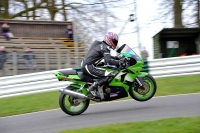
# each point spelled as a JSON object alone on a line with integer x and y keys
{"x": 103, "y": 103}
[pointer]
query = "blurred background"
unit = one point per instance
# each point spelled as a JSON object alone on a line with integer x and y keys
{"x": 42, "y": 35}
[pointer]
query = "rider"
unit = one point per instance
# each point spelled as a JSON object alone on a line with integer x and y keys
{"x": 100, "y": 50}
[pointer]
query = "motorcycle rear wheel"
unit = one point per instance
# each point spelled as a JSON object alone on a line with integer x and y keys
{"x": 70, "y": 108}
{"x": 146, "y": 93}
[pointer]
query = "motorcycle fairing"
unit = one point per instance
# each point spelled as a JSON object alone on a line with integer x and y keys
{"x": 116, "y": 95}
{"x": 142, "y": 74}
{"x": 68, "y": 75}
{"x": 116, "y": 81}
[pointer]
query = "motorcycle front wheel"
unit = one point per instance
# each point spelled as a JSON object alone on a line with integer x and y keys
{"x": 69, "y": 106}
{"x": 145, "y": 93}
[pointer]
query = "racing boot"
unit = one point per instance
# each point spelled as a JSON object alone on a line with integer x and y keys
{"x": 93, "y": 90}
{"x": 94, "y": 87}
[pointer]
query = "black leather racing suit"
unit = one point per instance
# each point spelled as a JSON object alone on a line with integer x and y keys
{"x": 97, "y": 52}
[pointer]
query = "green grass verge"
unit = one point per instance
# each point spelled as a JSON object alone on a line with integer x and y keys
{"x": 171, "y": 125}
{"x": 49, "y": 100}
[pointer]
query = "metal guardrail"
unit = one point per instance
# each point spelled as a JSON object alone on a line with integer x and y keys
{"x": 30, "y": 83}
{"x": 174, "y": 61}
{"x": 174, "y": 66}
{"x": 46, "y": 81}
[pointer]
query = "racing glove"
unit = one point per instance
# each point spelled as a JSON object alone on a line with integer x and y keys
{"x": 122, "y": 62}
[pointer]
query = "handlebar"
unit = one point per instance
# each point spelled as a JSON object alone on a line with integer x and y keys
{"x": 126, "y": 63}
{"x": 120, "y": 67}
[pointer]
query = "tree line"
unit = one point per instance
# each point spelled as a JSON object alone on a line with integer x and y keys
{"x": 34, "y": 9}
{"x": 184, "y": 13}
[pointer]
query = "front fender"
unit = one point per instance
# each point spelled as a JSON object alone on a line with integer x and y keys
{"x": 142, "y": 74}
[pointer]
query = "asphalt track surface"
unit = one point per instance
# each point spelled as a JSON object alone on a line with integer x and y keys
{"x": 54, "y": 121}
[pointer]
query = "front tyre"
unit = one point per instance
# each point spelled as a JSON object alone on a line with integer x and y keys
{"x": 146, "y": 93}
{"x": 70, "y": 105}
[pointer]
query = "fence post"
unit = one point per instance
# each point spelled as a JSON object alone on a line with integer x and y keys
{"x": 75, "y": 43}
{"x": 46, "y": 60}
{"x": 58, "y": 59}
{"x": 15, "y": 62}
{"x": 68, "y": 61}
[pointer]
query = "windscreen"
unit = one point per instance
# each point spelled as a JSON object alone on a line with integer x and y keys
{"x": 127, "y": 51}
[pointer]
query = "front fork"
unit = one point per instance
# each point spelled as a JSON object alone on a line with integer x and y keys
{"x": 140, "y": 81}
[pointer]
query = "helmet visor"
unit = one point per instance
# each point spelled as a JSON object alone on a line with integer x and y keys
{"x": 115, "y": 42}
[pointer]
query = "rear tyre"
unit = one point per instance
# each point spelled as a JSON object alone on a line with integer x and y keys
{"x": 146, "y": 93}
{"x": 70, "y": 107}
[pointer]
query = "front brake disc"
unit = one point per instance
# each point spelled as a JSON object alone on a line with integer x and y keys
{"x": 144, "y": 90}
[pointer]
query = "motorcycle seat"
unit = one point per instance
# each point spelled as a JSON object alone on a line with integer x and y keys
{"x": 68, "y": 72}
{"x": 85, "y": 77}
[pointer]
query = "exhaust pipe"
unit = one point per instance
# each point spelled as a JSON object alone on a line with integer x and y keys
{"x": 74, "y": 94}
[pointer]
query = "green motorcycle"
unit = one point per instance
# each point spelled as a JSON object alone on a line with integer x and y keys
{"x": 128, "y": 79}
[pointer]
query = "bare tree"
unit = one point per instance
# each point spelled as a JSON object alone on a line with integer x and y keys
{"x": 178, "y": 14}
{"x": 4, "y": 9}
{"x": 90, "y": 14}
{"x": 198, "y": 13}
{"x": 170, "y": 10}
{"x": 183, "y": 13}
{"x": 26, "y": 10}
{"x": 195, "y": 13}
{"x": 64, "y": 11}
{"x": 52, "y": 8}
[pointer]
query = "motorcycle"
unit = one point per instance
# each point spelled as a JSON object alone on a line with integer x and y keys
{"x": 128, "y": 79}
